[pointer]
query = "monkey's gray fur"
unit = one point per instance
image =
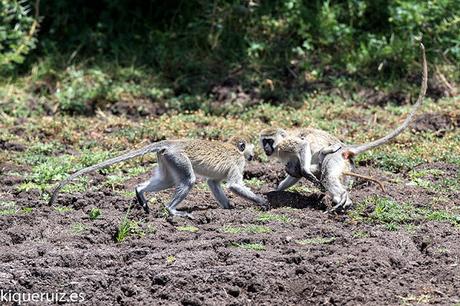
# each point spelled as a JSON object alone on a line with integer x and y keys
{"x": 179, "y": 161}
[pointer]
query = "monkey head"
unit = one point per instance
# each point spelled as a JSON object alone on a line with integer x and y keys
{"x": 270, "y": 138}
{"x": 244, "y": 147}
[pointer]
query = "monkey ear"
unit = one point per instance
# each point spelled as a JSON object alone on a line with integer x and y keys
{"x": 241, "y": 146}
{"x": 282, "y": 133}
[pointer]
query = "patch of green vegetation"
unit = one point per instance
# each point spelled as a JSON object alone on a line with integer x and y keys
{"x": 202, "y": 186}
{"x": 442, "y": 250}
{"x": 170, "y": 259}
{"x": 63, "y": 209}
{"x": 393, "y": 161}
{"x": 114, "y": 181}
{"x": 361, "y": 234}
{"x": 250, "y": 246}
{"x": 410, "y": 228}
{"x": 440, "y": 215}
{"x": 412, "y": 299}
{"x": 136, "y": 171}
{"x": 418, "y": 177}
{"x": 78, "y": 228}
{"x": 299, "y": 188}
{"x": 128, "y": 228}
{"x": 316, "y": 240}
{"x": 249, "y": 229}
{"x": 9, "y": 208}
{"x": 188, "y": 228}
{"x": 254, "y": 182}
{"x": 268, "y": 217}
{"x": 27, "y": 210}
{"x": 94, "y": 213}
{"x": 129, "y": 194}
{"x": 390, "y": 212}
{"x": 8, "y": 212}
{"x": 7, "y": 204}
{"x": 393, "y": 214}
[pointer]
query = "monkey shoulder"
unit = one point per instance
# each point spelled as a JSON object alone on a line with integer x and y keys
{"x": 290, "y": 144}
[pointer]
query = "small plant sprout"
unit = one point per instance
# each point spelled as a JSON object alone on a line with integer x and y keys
{"x": 94, "y": 213}
{"x": 170, "y": 259}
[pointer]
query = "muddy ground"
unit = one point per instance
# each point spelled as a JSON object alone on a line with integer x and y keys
{"x": 355, "y": 263}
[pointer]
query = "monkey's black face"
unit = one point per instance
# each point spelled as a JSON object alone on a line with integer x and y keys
{"x": 268, "y": 146}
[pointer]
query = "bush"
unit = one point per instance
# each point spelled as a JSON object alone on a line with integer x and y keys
{"x": 17, "y": 33}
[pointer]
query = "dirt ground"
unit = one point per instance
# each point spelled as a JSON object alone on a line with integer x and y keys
{"x": 352, "y": 263}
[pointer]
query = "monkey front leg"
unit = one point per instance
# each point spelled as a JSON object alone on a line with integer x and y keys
{"x": 218, "y": 193}
{"x": 287, "y": 182}
{"x": 236, "y": 185}
{"x": 305, "y": 158}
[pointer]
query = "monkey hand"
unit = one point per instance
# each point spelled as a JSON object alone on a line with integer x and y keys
{"x": 265, "y": 205}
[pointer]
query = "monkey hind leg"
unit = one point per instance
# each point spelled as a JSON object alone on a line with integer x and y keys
{"x": 219, "y": 194}
{"x": 159, "y": 180}
{"x": 333, "y": 180}
{"x": 340, "y": 196}
{"x": 180, "y": 168}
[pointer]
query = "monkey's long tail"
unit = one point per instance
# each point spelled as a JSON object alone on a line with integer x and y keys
{"x": 356, "y": 149}
{"x": 154, "y": 147}
{"x": 366, "y": 178}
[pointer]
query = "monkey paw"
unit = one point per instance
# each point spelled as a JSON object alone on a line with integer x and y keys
{"x": 180, "y": 213}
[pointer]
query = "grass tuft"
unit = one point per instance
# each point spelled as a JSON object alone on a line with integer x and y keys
{"x": 316, "y": 240}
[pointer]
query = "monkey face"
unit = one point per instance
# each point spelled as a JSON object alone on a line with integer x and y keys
{"x": 249, "y": 152}
{"x": 268, "y": 146}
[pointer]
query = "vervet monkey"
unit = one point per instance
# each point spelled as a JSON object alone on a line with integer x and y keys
{"x": 179, "y": 161}
{"x": 300, "y": 148}
{"x": 324, "y": 156}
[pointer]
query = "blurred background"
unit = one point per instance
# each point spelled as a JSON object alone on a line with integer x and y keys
{"x": 75, "y": 56}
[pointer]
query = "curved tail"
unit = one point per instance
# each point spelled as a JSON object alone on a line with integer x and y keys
{"x": 155, "y": 147}
{"x": 356, "y": 149}
{"x": 365, "y": 177}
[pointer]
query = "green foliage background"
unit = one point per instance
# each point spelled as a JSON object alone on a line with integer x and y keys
{"x": 192, "y": 45}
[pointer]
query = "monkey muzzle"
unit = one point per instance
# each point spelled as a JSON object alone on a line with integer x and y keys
{"x": 268, "y": 149}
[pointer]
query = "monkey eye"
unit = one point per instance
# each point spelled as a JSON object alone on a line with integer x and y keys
{"x": 241, "y": 146}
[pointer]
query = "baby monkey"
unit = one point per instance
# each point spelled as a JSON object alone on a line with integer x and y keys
{"x": 179, "y": 161}
{"x": 323, "y": 158}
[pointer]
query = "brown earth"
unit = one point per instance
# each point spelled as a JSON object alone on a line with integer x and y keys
{"x": 364, "y": 264}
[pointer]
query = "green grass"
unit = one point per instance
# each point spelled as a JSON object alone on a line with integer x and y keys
{"x": 94, "y": 213}
{"x": 78, "y": 228}
{"x": 128, "y": 194}
{"x": 392, "y": 214}
{"x": 419, "y": 178}
{"x": 249, "y": 229}
{"x": 316, "y": 240}
{"x": 8, "y": 212}
{"x": 412, "y": 299}
{"x": 268, "y": 217}
{"x": 127, "y": 228}
{"x": 360, "y": 234}
{"x": 299, "y": 188}
{"x": 170, "y": 259}
{"x": 188, "y": 228}
{"x": 250, "y": 246}
{"x": 27, "y": 210}
{"x": 63, "y": 209}
{"x": 9, "y": 208}
{"x": 254, "y": 182}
